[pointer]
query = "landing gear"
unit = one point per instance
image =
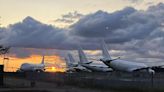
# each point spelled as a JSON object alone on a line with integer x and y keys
{"x": 39, "y": 71}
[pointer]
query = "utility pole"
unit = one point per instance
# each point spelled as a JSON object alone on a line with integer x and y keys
{"x": 5, "y": 62}
{"x": 4, "y": 51}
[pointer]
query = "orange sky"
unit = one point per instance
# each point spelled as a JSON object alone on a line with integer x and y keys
{"x": 14, "y": 63}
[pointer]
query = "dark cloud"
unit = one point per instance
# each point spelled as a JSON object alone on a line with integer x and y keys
{"x": 64, "y": 20}
{"x": 71, "y": 17}
{"x": 74, "y": 15}
{"x": 32, "y": 33}
{"x": 101, "y": 23}
{"x": 135, "y": 33}
{"x": 27, "y": 52}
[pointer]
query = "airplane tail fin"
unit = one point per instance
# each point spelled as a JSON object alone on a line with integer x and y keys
{"x": 42, "y": 60}
{"x": 105, "y": 52}
{"x": 82, "y": 57}
{"x": 67, "y": 61}
{"x": 71, "y": 59}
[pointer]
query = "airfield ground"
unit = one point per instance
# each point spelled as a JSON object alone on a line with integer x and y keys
{"x": 82, "y": 82}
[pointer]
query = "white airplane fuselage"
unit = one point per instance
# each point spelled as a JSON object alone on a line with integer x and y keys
{"x": 122, "y": 65}
{"x": 126, "y": 66}
{"x": 72, "y": 66}
{"x": 87, "y": 64}
{"x": 96, "y": 68}
{"x": 32, "y": 67}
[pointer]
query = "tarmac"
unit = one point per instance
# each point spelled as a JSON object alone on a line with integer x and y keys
{"x": 82, "y": 82}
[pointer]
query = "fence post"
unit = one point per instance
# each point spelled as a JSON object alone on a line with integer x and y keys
{"x": 1, "y": 75}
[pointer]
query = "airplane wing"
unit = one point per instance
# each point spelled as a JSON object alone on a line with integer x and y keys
{"x": 155, "y": 64}
{"x": 137, "y": 69}
{"x": 149, "y": 66}
{"x": 146, "y": 65}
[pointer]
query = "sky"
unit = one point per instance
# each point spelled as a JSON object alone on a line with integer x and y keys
{"x": 133, "y": 29}
{"x": 48, "y": 10}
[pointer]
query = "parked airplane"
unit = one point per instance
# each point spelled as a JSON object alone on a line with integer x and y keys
{"x": 85, "y": 63}
{"x": 72, "y": 66}
{"x": 123, "y": 65}
{"x": 26, "y": 67}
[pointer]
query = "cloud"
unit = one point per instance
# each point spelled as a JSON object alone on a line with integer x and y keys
{"x": 30, "y": 32}
{"x": 27, "y": 52}
{"x": 135, "y": 1}
{"x": 136, "y": 33}
{"x": 69, "y": 18}
{"x": 74, "y": 15}
{"x": 102, "y": 23}
{"x": 64, "y": 20}
{"x": 149, "y": 3}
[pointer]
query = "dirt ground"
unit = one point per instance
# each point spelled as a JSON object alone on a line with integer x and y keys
{"x": 22, "y": 85}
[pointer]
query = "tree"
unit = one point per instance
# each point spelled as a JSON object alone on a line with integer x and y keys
{"x": 4, "y": 50}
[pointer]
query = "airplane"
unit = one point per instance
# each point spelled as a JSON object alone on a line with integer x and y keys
{"x": 122, "y": 65}
{"x": 72, "y": 66}
{"x": 87, "y": 64}
{"x": 70, "y": 63}
{"x": 28, "y": 67}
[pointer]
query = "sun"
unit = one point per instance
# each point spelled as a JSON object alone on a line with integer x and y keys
{"x": 53, "y": 69}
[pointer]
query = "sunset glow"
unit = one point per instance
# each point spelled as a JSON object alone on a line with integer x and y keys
{"x": 14, "y": 63}
{"x": 53, "y": 69}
